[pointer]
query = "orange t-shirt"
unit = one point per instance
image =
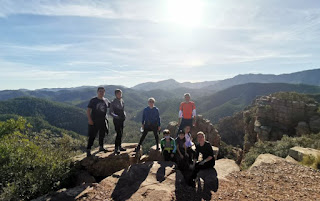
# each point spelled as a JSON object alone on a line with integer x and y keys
{"x": 187, "y": 109}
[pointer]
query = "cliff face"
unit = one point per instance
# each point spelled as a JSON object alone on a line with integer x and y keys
{"x": 271, "y": 117}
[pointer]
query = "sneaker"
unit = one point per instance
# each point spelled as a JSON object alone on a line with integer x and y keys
{"x": 102, "y": 149}
{"x": 88, "y": 152}
{"x": 116, "y": 151}
{"x": 137, "y": 149}
{"x": 122, "y": 149}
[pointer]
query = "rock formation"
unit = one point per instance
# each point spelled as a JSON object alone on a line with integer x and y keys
{"x": 203, "y": 125}
{"x": 298, "y": 153}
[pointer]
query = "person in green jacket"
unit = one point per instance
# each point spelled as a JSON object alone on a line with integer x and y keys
{"x": 168, "y": 146}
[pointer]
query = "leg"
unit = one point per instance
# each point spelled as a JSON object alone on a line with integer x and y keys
{"x": 117, "y": 127}
{"x": 166, "y": 155}
{"x": 182, "y": 124}
{"x": 102, "y": 133}
{"x": 156, "y": 136}
{"x": 92, "y": 133}
{"x": 144, "y": 134}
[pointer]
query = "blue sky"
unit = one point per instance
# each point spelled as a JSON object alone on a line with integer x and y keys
{"x": 64, "y": 43}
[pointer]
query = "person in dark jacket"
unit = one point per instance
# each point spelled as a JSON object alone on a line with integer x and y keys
{"x": 119, "y": 116}
{"x": 97, "y": 117}
{"x": 150, "y": 122}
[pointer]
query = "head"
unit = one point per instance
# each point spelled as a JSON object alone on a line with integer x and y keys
{"x": 187, "y": 97}
{"x": 201, "y": 137}
{"x": 118, "y": 93}
{"x": 151, "y": 102}
{"x": 166, "y": 134}
{"x": 101, "y": 92}
{"x": 181, "y": 134}
{"x": 187, "y": 129}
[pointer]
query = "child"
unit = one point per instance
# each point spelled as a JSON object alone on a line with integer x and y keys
{"x": 181, "y": 149}
{"x": 188, "y": 144}
{"x": 168, "y": 146}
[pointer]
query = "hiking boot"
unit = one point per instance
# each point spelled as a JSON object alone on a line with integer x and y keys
{"x": 122, "y": 149}
{"x": 137, "y": 149}
{"x": 102, "y": 149}
{"x": 88, "y": 152}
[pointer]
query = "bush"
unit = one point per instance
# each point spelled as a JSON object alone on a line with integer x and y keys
{"x": 279, "y": 148}
{"x": 311, "y": 161}
{"x": 29, "y": 167}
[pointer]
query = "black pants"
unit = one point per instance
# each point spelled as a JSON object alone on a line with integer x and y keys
{"x": 100, "y": 127}
{"x": 167, "y": 156}
{"x": 154, "y": 129}
{"x": 184, "y": 123}
{"x": 198, "y": 167}
{"x": 118, "y": 126}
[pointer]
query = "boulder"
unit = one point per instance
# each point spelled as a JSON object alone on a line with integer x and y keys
{"x": 266, "y": 158}
{"x": 224, "y": 167}
{"x": 314, "y": 124}
{"x": 297, "y": 153}
{"x": 154, "y": 154}
{"x": 302, "y": 129}
{"x": 83, "y": 177}
{"x": 102, "y": 164}
{"x": 173, "y": 128}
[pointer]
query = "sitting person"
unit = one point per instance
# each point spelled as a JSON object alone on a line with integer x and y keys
{"x": 168, "y": 146}
{"x": 208, "y": 161}
{"x": 182, "y": 159}
{"x": 189, "y": 153}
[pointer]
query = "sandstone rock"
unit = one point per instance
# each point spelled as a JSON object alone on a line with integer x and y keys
{"x": 302, "y": 129}
{"x": 173, "y": 128}
{"x": 297, "y": 153}
{"x": 315, "y": 124}
{"x": 83, "y": 177}
{"x": 266, "y": 158}
{"x": 102, "y": 164}
{"x": 224, "y": 167}
{"x": 290, "y": 159}
{"x": 154, "y": 154}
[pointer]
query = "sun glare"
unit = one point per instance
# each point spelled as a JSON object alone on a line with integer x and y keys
{"x": 185, "y": 12}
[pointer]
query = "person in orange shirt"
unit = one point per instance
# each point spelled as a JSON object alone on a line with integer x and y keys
{"x": 187, "y": 113}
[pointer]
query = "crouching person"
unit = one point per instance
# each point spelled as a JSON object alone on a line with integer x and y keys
{"x": 168, "y": 146}
{"x": 207, "y": 162}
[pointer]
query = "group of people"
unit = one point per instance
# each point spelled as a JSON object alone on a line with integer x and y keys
{"x": 178, "y": 149}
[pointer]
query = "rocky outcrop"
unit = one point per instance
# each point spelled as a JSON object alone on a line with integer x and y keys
{"x": 271, "y": 117}
{"x": 298, "y": 153}
{"x": 203, "y": 125}
{"x": 102, "y": 164}
{"x": 266, "y": 158}
{"x": 225, "y": 167}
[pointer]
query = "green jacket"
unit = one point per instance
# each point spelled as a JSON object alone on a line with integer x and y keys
{"x": 173, "y": 147}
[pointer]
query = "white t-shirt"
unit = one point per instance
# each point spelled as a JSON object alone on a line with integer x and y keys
{"x": 188, "y": 142}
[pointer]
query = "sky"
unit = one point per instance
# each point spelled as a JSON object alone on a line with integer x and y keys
{"x": 61, "y": 43}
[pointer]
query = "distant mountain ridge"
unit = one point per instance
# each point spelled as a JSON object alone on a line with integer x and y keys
{"x": 309, "y": 77}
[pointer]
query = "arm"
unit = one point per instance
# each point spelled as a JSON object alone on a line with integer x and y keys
{"x": 111, "y": 111}
{"x": 194, "y": 114}
{"x": 159, "y": 120}
{"x": 180, "y": 114}
{"x": 143, "y": 117}
{"x": 89, "y": 116}
{"x": 174, "y": 146}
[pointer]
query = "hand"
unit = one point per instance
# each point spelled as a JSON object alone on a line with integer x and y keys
{"x": 90, "y": 122}
{"x": 202, "y": 162}
{"x": 194, "y": 124}
{"x": 159, "y": 128}
{"x": 172, "y": 155}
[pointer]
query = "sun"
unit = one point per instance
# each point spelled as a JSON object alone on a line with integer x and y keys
{"x": 185, "y": 12}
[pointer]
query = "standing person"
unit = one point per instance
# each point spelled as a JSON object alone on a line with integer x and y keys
{"x": 96, "y": 113}
{"x": 150, "y": 122}
{"x": 119, "y": 116}
{"x": 187, "y": 113}
{"x": 168, "y": 146}
{"x": 208, "y": 161}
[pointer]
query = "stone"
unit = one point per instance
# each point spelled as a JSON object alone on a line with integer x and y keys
{"x": 102, "y": 164}
{"x": 266, "y": 158}
{"x": 297, "y": 153}
{"x": 154, "y": 154}
{"x": 83, "y": 177}
{"x": 173, "y": 128}
{"x": 291, "y": 160}
{"x": 224, "y": 167}
{"x": 314, "y": 124}
{"x": 302, "y": 129}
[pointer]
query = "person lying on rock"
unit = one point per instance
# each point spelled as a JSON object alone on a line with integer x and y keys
{"x": 189, "y": 153}
{"x": 207, "y": 162}
{"x": 150, "y": 122}
{"x": 168, "y": 146}
{"x": 187, "y": 112}
{"x": 97, "y": 119}
{"x": 119, "y": 116}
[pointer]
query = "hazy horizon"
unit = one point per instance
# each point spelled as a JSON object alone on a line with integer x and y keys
{"x": 62, "y": 44}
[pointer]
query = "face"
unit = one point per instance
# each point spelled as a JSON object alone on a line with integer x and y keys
{"x": 187, "y": 98}
{"x": 167, "y": 136}
{"x": 101, "y": 92}
{"x": 200, "y": 139}
{"x": 181, "y": 136}
{"x": 119, "y": 95}
{"x": 187, "y": 129}
{"x": 150, "y": 103}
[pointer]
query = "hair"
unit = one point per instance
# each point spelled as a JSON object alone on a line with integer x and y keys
{"x": 117, "y": 91}
{"x": 152, "y": 99}
{"x": 201, "y": 133}
{"x": 100, "y": 88}
{"x": 166, "y": 131}
{"x": 181, "y": 132}
{"x": 187, "y": 94}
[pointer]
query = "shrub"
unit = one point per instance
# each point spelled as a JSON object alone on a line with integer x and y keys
{"x": 311, "y": 161}
{"x": 28, "y": 168}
